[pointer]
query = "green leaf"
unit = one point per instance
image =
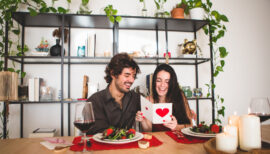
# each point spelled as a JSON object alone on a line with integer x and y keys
{"x": 11, "y": 69}
{"x": 222, "y": 100}
{"x": 17, "y": 31}
{"x": 141, "y": 0}
{"x": 222, "y": 52}
{"x": 23, "y": 74}
{"x": 62, "y": 10}
{"x": 207, "y": 85}
{"x": 53, "y": 9}
{"x": 222, "y": 63}
{"x": 219, "y": 68}
{"x": 118, "y": 19}
{"x": 32, "y": 11}
{"x": 69, "y": 1}
{"x": 114, "y": 12}
{"x": 111, "y": 19}
{"x": 157, "y": 4}
{"x": 224, "y": 18}
{"x": 208, "y": 94}
{"x": 215, "y": 14}
{"x": 218, "y": 120}
{"x": 213, "y": 86}
{"x": 205, "y": 30}
{"x": 216, "y": 73}
{"x": 85, "y": 2}
{"x": 198, "y": 4}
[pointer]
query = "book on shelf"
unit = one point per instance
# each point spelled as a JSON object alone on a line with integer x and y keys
{"x": 43, "y": 132}
{"x": 90, "y": 45}
{"x": 34, "y": 88}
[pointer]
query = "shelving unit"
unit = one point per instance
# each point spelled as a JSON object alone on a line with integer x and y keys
{"x": 101, "y": 22}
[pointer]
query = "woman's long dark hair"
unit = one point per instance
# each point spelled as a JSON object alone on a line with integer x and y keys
{"x": 173, "y": 95}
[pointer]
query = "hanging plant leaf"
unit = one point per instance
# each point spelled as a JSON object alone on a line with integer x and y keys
{"x": 222, "y": 51}
{"x": 224, "y": 18}
{"x": 118, "y": 19}
{"x": 32, "y": 11}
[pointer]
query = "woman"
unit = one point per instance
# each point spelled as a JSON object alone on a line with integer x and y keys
{"x": 166, "y": 89}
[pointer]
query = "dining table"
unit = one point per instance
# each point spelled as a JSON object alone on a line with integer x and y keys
{"x": 168, "y": 146}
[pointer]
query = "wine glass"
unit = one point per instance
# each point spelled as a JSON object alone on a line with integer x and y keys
{"x": 260, "y": 106}
{"x": 84, "y": 119}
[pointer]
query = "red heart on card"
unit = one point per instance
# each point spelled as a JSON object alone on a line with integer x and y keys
{"x": 162, "y": 112}
{"x": 146, "y": 108}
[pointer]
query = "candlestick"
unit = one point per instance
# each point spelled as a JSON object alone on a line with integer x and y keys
{"x": 249, "y": 132}
{"x": 226, "y": 143}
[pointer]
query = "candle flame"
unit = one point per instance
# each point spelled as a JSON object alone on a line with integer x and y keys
{"x": 234, "y": 113}
{"x": 230, "y": 122}
{"x": 249, "y": 110}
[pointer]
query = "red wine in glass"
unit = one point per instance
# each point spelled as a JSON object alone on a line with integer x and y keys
{"x": 84, "y": 126}
{"x": 263, "y": 117}
{"x": 260, "y": 106}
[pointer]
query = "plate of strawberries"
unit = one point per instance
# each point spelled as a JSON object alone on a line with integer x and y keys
{"x": 203, "y": 130}
{"x": 113, "y": 135}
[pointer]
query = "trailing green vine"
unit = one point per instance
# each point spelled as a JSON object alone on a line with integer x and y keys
{"x": 217, "y": 29}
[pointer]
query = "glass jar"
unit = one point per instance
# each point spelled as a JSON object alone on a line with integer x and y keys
{"x": 187, "y": 91}
{"x": 197, "y": 92}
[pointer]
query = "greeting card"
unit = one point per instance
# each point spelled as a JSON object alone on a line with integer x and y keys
{"x": 156, "y": 113}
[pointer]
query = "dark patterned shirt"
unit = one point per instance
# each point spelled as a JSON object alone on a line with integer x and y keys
{"x": 107, "y": 111}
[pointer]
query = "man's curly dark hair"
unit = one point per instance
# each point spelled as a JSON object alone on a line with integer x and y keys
{"x": 117, "y": 64}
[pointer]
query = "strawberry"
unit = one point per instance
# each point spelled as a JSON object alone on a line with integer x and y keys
{"x": 200, "y": 125}
{"x": 123, "y": 137}
{"x": 215, "y": 128}
{"x": 132, "y": 131}
{"x": 109, "y": 131}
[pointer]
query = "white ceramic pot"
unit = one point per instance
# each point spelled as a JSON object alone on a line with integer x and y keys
{"x": 197, "y": 13}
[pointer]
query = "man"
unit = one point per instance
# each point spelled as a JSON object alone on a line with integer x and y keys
{"x": 116, "y": 105}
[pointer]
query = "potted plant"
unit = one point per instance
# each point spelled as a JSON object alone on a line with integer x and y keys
{"x": 196, "y": 9}
{"x": 178, "y": 11}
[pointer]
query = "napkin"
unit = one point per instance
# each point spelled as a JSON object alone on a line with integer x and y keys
{"x": 51, "y": 143}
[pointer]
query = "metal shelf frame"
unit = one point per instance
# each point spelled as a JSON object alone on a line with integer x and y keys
{"x": 101, "y": 22}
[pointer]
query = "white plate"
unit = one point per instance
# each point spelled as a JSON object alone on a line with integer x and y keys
{"x": 187, "y": 131}
{"x": 98, "y": 137}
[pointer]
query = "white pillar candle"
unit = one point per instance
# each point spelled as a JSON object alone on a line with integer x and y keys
{"x": 232, "y": 130}
{"x": 249, "y": 132}
{"x": 226, "y": 143}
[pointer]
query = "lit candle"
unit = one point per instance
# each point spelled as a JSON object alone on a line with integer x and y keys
{"x": 233, "y": 120}
{"x": 249, "y": 132}
{"x": 226, "y": 142}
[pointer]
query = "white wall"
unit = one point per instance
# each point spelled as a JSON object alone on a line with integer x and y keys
{"x": 246, "y": 72}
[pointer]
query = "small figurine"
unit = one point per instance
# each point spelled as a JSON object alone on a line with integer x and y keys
{"x": 188, "y": 47}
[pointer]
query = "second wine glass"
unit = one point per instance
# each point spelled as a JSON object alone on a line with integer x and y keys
{"x": 84, "y": 119}
{"x": 260, "y": 107}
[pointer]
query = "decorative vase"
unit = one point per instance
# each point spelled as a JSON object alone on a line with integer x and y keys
{"x": 197, "y": 13}
{"x": 144, "y": 10}
{"x": 160, "y": 13}
{"x": 177, "y": 13}
{"x": 56, "y": 49}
